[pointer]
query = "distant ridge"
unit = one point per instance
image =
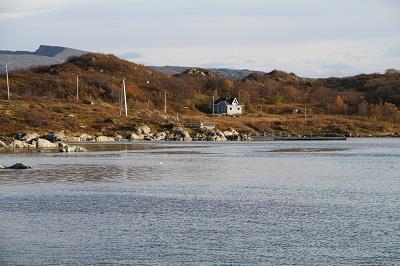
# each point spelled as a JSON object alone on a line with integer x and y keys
{"x": 233, "y": 74}
{"x": 44, "y": 55}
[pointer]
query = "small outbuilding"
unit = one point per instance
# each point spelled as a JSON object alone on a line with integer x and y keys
{"x": 227, "y": 106}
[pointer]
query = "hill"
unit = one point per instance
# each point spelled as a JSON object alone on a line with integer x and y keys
{"x": 44, "y": 55}
{"x": 363, "y": 104}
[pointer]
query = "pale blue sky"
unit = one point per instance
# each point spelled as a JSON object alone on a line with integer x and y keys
{"x": 309, "y": 37}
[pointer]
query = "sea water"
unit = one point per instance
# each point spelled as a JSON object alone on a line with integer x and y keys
{"x": 267, "y": 203}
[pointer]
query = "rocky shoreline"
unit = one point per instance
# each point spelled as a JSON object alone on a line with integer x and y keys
{"x": 58, "y": 140}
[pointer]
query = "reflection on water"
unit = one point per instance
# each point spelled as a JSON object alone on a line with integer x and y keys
{"x": 80, "y": 173}
{"x": 311, "y": 203}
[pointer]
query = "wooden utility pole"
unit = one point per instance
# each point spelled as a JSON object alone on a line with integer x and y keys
{"x": 8, "y": 84}
{"x": 165, "y": 102}
{"x": 212, "y": 104}
{"x": 120, "y": 101}
{"x": 305, "y": 114}
{"x": 77, "y": 88}
{"x": 126, "y": 107}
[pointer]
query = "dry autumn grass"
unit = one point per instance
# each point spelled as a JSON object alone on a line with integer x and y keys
{"x": 269, "y": 100}
{"x": 77, "y": 118}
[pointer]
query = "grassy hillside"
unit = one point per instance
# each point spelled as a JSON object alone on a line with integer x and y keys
{"x": 44, "y": 99}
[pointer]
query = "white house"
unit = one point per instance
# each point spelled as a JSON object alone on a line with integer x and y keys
{"x": 227, "y": 106}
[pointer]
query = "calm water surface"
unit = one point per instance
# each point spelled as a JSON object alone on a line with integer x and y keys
{"x": 328, "y": 203}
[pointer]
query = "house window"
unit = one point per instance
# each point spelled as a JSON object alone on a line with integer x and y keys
{"x": 230, "y": 108}
{"x": 238, "y": 108}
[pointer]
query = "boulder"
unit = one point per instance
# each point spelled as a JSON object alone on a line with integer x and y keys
{"x": 214, "y": 135}
{"x": 232, "y": 134}
{"x": 245, "y": 137}
{"x": 19, "y": 166}
{"x": 18, "y": 144}
{"x": 26, "y": 137}
{"x": 135, "y": 136}
{"x": 3, "y": 145}
{"x": 159, "y": 136}
{"x": 142, "y": 133}
{"x": 182, "y": 134}
{"x": 104, "y": 139}
{"x": 178, "y": 134}
{"x": 118, "y": 138}
{"x": 54, "y": 136}
{"x": 143, "y": 130}
{"x": 62, "y": 147}
{"x": 85, "y": 137}
{"x": 44, "y": 144}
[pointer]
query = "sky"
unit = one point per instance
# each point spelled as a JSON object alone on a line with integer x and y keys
{"x": 313, "y": 38}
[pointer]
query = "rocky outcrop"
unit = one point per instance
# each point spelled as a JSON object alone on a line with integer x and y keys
{"x": 55, "y": 136}
{"x": 26, "y": 137}
{"x": 43, "y": 144}
{"x": 18, "y": 144}
{"x": 143, "y": 130}
{"x": 178, "y": 134}
{"x": 62, "y": 147}
{"x": 182, "y": 134}
{"x": 172, "y": 133}
{"x": 200, "y": 72}
{"x": 141, "y": 133}
{"x": 232, "y": 134}
{"x": 210, "y": 135}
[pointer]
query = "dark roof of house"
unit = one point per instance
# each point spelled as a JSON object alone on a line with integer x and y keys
{"x": 228, "y": 100}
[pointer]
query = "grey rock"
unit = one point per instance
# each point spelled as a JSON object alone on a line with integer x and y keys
{"x": 54, "y": 136}
{"x": 26, "y": 137}
{"x": 85, "y": 137}
{"x": 18, "y": 144}
{"x": 3, "y": 145}
{"x": 159, "y": 136}
{"x": 210, "y": 135}
{"x": 143, "y": 130}
{"x": 118, "y": 138}
{"x": 178, "y": 134}
{"x": 44, "y": 144}
{"x": 19, "y": 166}
{"x": 135, "y": 136}
{"x": 232, "y": 134}
{"x": 62, "y": 147}
{"x": 181, "y": 133}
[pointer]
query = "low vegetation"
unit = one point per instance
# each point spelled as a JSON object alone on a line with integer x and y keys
{"x": 44, "y": 98}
